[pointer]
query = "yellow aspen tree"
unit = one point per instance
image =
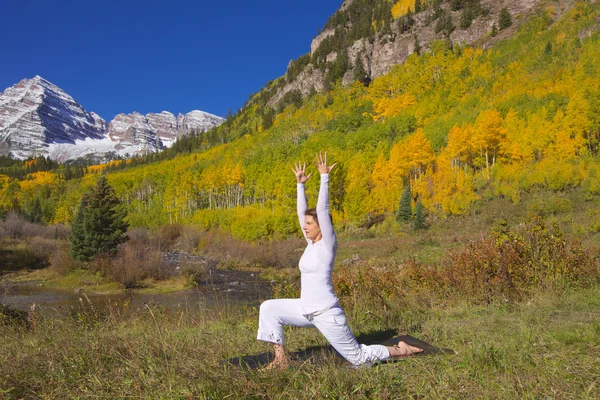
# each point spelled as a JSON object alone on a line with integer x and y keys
{"x": 513, "y": 148}
{"x": 383, "y": 185}
{"x": 412, "y": 156}
{"x": 357, "y": 188}
{"x": 458, "y": 145}
{"x": 577, "y": 122}
{"x": 488, "y": 137}
{"x": 390, "y": 107}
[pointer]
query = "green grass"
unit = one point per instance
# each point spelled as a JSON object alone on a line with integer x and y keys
{"x": 547, "y": 347}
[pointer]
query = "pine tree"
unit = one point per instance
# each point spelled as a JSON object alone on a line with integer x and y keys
{"x": 359, "y": 70}
{"x": 417, "y": 46}
{"x": 99, "y": 225}
{"x": 404, "y": 213}
{"x": 418, "y": 6}
{"x": 505, "y": 19}
{"x": 419, "y": 216}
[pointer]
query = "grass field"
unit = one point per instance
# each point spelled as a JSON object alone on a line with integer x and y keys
{"x": 545, "y": 347}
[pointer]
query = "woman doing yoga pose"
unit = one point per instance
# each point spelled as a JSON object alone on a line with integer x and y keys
{"x": 318, "y": 305}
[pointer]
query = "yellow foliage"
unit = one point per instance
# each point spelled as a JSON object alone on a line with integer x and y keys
{"x": 401, "y": 7}
{"x": 390, "y": 107}
{"x": 36, "y": 179}
{"x": 386, "y": 187}
{"x": 450, "y": 190}
{"x": 412, "y": 156}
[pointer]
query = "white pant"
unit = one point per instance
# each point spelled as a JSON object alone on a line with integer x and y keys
{"x": 274, "y": 314}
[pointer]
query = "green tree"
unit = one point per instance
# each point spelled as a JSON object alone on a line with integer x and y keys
{"x": 505, "y": 19}
{"x": 417, "y": 46}
{"x": 99, "y": 225}
{"x": 359, "y": 71}
{"x": 419, "y": 216}
{"x": 494, "y": 30}
{"x": 404, "y": 213}
{"x": 418, "y": 6}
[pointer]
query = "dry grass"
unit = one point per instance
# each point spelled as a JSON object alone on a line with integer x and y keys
{"x": 544, "y": 348}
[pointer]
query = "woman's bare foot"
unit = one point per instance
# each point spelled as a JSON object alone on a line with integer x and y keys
{"x": 276, "y": 364}
{"x": 281, "y": 360}
{"x": 403, "y": 349}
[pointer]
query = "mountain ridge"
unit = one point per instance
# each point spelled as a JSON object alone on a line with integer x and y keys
{"x": 39, "y": 118}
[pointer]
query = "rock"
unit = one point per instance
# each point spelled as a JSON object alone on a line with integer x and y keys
{"x": 355, "y": 259}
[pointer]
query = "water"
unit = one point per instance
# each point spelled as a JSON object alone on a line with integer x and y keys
{"x": 222, "y": 288}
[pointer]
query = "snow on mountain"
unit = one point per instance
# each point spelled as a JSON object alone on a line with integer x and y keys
{"x": 34, "y": 113}
{"x": 39, "y": 118}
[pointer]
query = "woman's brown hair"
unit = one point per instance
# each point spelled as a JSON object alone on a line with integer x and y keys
{"x": 313, "y": 213}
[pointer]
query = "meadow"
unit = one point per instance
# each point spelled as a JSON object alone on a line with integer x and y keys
{"x": 536, "y": 338}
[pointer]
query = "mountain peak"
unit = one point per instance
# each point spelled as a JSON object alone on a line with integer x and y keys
{"x": 37, "y": 116}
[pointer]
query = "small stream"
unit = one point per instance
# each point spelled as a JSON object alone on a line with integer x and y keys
{"x": 221, "y": 288}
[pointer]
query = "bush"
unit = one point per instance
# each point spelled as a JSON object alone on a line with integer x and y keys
{"x": 133, "y": 263}
{"x": 166, "y": 237}
{"x": 189, "y": 239}
{"x": 510, "y": 264}
{"x": 42, "y": 248}
{"x": 60, "y": 260}
{"x": 13, "y": 225}
{"x": 505, "y": 266}
{"x": 219, "y": 245}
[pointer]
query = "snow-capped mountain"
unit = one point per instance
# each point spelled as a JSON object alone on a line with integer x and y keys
{"x": 39, "y": 118}
{"x": 35, "y": 113}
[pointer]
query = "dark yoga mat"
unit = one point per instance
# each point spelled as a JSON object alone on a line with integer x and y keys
{"x": 318, "y": 354}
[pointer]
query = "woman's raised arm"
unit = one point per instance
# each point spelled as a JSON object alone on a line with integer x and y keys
{"x": 301, "y": 204}
{"x": 323, "y": 212}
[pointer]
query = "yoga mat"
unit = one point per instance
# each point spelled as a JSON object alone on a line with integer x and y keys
{"x": 319, "y": 354}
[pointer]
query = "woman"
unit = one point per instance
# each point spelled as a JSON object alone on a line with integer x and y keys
{"x": 318, "y": 305}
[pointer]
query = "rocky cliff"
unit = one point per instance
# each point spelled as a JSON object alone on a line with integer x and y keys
{"x": 380, "y": 52}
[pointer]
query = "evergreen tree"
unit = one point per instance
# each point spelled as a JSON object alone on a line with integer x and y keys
{"x": 359, "y": 71}
{"x": 99, "y": 225}
{"x": 268, "y": 117}
{"x": 419, "y": 216}
{"x": 466, "y": 18}
{"x": 505, "y": 19}
{"x": 418, "y": 6}
{"x": 404, "y": 213}
{"x": 494, "y": 30}
{"x": 417, "y": 46}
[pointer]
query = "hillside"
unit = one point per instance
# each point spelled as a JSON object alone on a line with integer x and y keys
{"x": 459, "y": 125}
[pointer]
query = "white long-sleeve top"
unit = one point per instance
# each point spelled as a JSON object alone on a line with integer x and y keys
{"x": 316, "y": 264}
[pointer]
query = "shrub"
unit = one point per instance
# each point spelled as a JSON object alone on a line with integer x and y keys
{"x": 511, "y": 263}
{"x": 166, "y": 236}
{"x": 42, "y": 248}
{"x": 13, "y": 225}
{"x": 505, "y": 18}
{"x": 134, "y": 262}
{"x": 60, "y": 260}
{"x": 189, "y": 239}
{"x": 506, "y": 265}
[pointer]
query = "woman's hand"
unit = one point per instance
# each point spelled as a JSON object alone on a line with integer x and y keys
{"x": 322, "y": 163}
{"x": 300, "y": 172}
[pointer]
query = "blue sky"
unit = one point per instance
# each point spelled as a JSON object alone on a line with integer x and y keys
{"x": 124, "y": 56}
